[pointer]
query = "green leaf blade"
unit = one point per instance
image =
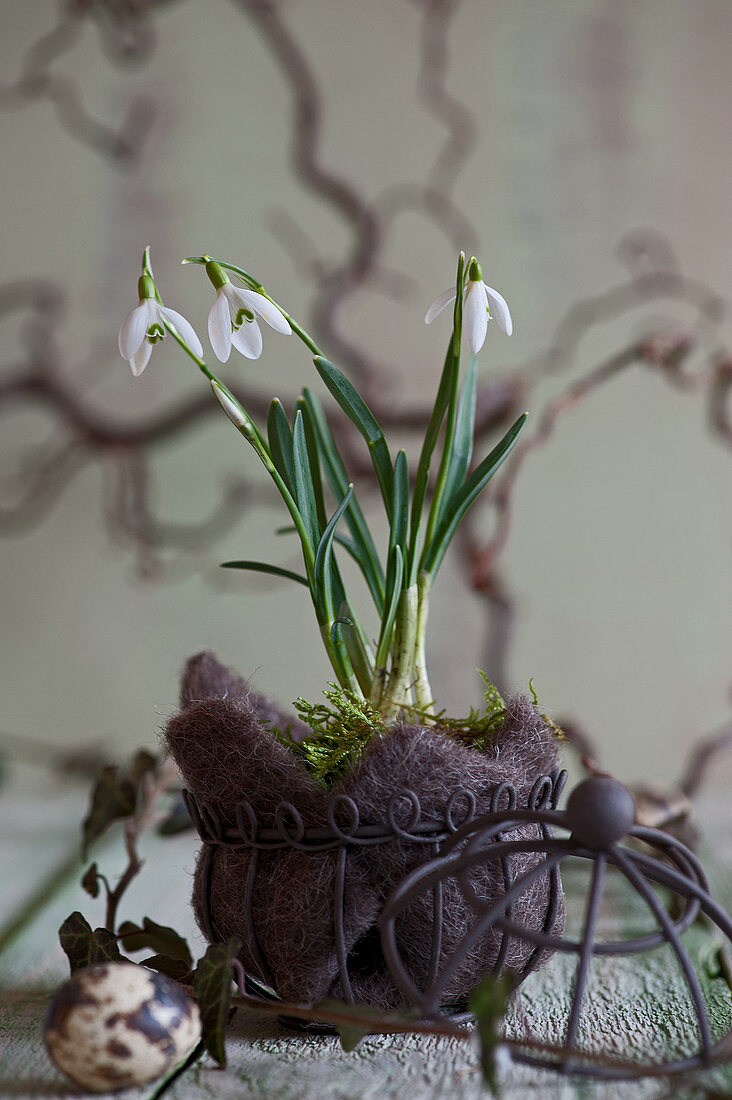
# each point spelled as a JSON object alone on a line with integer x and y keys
{"x": 462, "y": 450}
{"x": 363, "y": 549}
{"x": 400, "y": 504}
{"x": 304, "y": 492}
{"x": 311, "y": 445}
{"x": 279, "y": 437}
{"x": 425, "y": 459}
{"x": 466, "y": 496}
{"x": 324, "y": 557}
{"x": 361, "y": 416}
{"x": 394, "y": 591}
{"x": 265, "y": 567}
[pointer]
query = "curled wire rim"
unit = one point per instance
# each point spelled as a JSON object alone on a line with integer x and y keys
{"x": 483, "y": 840}
{"x": 290, "y": 830}
{"x": 346, "y": 830}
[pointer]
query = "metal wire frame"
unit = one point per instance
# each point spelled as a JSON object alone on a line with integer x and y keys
{"x": 482, "y": 842}
{"x": 403, "y": 821}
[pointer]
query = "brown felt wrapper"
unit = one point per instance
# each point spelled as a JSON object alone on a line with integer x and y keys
{"x": 226, "y": 752}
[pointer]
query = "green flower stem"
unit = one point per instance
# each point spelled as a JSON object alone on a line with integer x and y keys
{"x": 401, "y": 672}
{"x": 452, "y": 409}
{"x": 422, "y": 689}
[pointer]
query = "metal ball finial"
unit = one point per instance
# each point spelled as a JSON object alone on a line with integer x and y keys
{"x": 600, "y": 811}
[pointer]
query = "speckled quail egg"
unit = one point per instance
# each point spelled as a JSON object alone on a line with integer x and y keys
{"x": 116, "y": 1025}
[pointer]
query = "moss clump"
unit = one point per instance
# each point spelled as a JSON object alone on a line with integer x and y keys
{"x": 340, "y": 734}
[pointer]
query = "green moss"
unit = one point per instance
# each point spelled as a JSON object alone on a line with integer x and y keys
{"x": 341, "y": 732}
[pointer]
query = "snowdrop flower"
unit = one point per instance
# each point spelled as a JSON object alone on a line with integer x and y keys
{"x": 482, "y": 303}
{"x": 145, "y": 325}
{"x": 232, "y": 317}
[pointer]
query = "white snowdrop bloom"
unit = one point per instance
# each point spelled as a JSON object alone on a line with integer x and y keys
{"x": 232, "y": 319}
{"x": 481, "y": 303}
{"x": 145, "y": 325}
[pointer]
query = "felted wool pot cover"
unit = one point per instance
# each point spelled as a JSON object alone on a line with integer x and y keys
{"x": 289, "y": 906}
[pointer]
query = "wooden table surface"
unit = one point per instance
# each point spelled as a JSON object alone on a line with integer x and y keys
{"x": 633, "y": 1002}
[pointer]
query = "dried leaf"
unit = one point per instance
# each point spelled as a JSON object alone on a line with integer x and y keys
{"x": 84, "y": 947}
{"x": 212, "y": 983}
{"x": 90, "y": 881}
{"x": 158, "y": 937}
{"x": 488, "y": 1003}
{"x": 142, "y": 762}
{"x": 113, "y": 797}
{"x": 176, "y": 969}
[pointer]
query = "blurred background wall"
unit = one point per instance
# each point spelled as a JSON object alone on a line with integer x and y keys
{"x": 574, "y": 145}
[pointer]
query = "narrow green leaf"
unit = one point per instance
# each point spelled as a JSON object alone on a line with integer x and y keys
{"x": 445, "y": 406}
{"x": 400, "y": 504}
{"x": 462, "y": 450}
{"x": 311, "y": 443}
{"x": 304, "y": 493}
{"x": 357, "y": 647}
{"x": 399, "y": 521}
{"x": 279, "y": 437}
{"x": 113, "y": 797}
{"x": 157, "y": 937}
{"x": 394, "y": 591}
{"x": 265, "y": 567}
{"x": 212, "y": 984}
{"x": 84, "y": 947}
{"x": 323, "y": 559}
{"x": 430, "y": 442}
{"x": 465, "y": 497}
{"x": 361, "y": 416}
{"x": 364, "y": 550}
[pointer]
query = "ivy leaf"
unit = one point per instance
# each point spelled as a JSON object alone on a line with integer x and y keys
{"x": 488, "y": 1003}
{"x": 176, "y": 969}
{"x": 212, "y": 984}
{"x": 158, "y": 937}
{"x": 350, "y": 1036}
{"x": 90, "y": 881}
{"x": 84, "y": 947}
{"x": 113, "y": 797}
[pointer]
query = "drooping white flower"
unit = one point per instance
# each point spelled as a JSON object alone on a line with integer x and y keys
{"x": 145, "y": 325}
{"x": 481, "y": 303}
{"x": 232, "y": 319}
